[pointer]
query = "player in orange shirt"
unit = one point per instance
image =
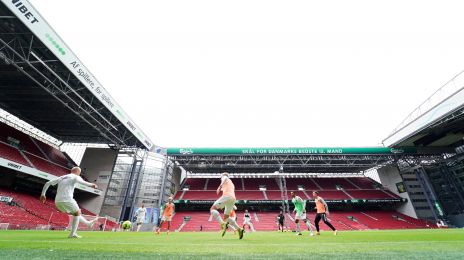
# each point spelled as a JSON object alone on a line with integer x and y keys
{"x": 322, "y": 210}
{"x": 168, "y": 211}
{"x": 226, "y": 202}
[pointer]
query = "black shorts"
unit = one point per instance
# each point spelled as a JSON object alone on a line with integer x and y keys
{"x": 281, "y": 222}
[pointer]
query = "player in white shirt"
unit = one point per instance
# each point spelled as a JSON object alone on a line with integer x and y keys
{"x": 64, "y": 200}
{"x": 140, "y": 214}
{"x": 247, "y": 221}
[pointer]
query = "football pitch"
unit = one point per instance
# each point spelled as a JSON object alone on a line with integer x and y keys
{"x": 398, "y": 244}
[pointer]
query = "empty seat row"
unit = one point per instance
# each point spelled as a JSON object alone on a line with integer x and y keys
{"x": 277, "y": 195}
{"x": 267, "y": 221}
{"x": 308, "y": 184}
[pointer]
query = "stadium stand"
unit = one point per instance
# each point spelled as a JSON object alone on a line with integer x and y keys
{"x": 254, "y": 184}
{"x": 196, "y": 183}
{"x": 196, "y": 189}
{"x": 361, "y": 183}
{"x": 23, "y": 149}
{"x": 25, "y": 212}
{"x": 10, "y": 153}
{"x": 328, "y": 188}
{"x": 266, "y": 221}
{"x": 47, "y": 166}
{"x": 274, "y": 195}
{"x": 370, "y": 194}
{"x": 11, "y": 135}
{"x": 198, "y": 195}
{"x": 308, "y": 184}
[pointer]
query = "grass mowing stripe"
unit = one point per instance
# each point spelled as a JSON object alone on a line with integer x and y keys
{"x": 404, "y": 244}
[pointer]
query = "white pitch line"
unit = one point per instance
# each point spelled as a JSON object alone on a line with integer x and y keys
{"x": 81, "y": 241}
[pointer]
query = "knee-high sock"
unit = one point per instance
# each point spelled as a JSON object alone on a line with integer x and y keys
{"x": 138, "y": 228}
{"x": 308, "y": 224}
{"x": 233, "y": 223}
{"x": 75, "y": 224}
{"x": 217, "y": 216}
{"x": 252, "y": 228}
{"x": 298, "y": 227}
{"x": 85, "y": 221}
{"x": 232, "y": 228}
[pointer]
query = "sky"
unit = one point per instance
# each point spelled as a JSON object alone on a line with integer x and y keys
{"x": 265, "y": 73}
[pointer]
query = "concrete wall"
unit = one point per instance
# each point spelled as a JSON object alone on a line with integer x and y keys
{"x": 176, "y": 178}
{"x": 389, "y": 177}
{"x": 457, "y": 220}
{"x": 97, "y": 165}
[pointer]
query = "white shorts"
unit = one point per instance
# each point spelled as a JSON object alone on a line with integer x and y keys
{"x": 300, "y": 215}
{"x": 166, "y": 218}
{"x": 69, "y": 207}
{"x": 246, "y": 221}
{"x": 140, "y": 220}
{"x": 225, "y": 202}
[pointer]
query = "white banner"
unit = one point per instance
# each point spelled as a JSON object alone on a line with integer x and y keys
{"x": 42, "y": 30}
{"x": 6, "y": 199}
{"x": 40, "y": 174}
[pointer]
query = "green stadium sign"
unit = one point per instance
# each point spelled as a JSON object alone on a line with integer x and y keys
{"x": 296, "y": 150}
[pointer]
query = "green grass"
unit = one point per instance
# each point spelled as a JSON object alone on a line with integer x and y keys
{"x": 404, "y": 244}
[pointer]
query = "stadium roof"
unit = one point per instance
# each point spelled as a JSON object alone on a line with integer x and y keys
{"x": 43, "y": 83}
{"x": 294, "y": 160}
{"x": 437, "y": 122}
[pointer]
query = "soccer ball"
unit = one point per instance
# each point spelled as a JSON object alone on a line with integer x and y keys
{"x": 126, "y": 225}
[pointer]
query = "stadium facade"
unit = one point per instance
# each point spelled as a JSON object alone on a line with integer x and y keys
{"x": 49, "y": 100}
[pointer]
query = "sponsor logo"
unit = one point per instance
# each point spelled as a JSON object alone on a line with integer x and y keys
{"x": 186, "y": 151}
{"x": 393, "y": 150}
{"x": 13, "y": 165}
{"x": 25, "y": 11}
{"x": 130, "y": 125}
{"x": 148, "y": 143}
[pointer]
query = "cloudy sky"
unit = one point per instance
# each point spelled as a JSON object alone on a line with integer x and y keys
{"x": 265, "y": 73}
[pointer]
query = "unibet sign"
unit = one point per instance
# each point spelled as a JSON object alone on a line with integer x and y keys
{"x": 27, "y": 14}
{"x": 25, "y": 11}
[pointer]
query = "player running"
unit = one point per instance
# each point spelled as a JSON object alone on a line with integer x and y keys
{"x": 140, "y": 215}
{"x": 307, "y": 222}
{"x": 247, "y": 221}
{"x": 281, "y": 220}
{"x": 233, "y": 215}
{"x": 322, "y": 211}
{"x": 300, "y": 209}
{"x": 226, "y": 202}
{"x": 168, "y": 212}
{"x": 64, "y": 199}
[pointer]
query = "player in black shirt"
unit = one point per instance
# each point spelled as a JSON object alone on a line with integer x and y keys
{"x": 281, "y": 219}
